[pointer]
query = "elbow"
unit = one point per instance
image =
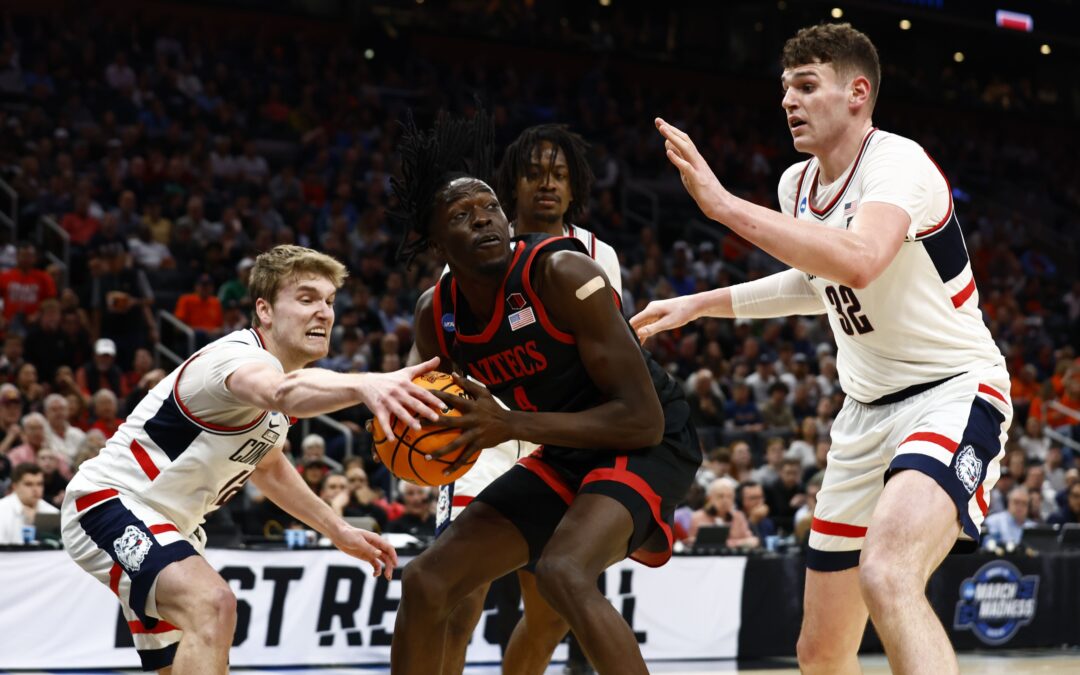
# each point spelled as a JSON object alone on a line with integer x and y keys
{"x": 649, "y": 429}
{"x": 285, "y": 392}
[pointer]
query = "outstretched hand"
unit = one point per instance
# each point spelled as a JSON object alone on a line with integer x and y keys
{"x": 370, "y": 548}
{"x": 696, "y": 175}
{"x": 661, "y": 315}
{"x": 484, "y": 423}
{"x": 394, "y": 394}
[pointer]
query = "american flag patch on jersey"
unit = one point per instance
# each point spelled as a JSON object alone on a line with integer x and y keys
{"x": 522, "y": 318}
{"x": 850, "y": 207}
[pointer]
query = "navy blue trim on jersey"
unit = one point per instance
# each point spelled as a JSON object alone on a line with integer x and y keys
{"x": 156, "y": 659}
{"x": 831, "y": 561}
{"x": 106, "y": 523}
{"x": 172, "y": 430}
{"x": 947, "y": 250}
{"x": 981, "y": 435}
{"x": 441, "y": 525}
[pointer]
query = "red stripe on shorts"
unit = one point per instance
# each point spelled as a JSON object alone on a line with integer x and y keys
{"x": 86, "y": 501}
{"x": 164, "y": 527}
{"x": 548, "y": 475}
{"x": 143, "y": 458}
{"x": 837, "y": 529}
{"x": 461, "y": 500}
{"x": 620, "y": 474}
{"x": 980, "y": 498}
{"x": 930, "y": 437}
{"x": 161, "y": 627}
{"x": 114, "y": 579}
{"x": 990, "y": 391}
{"x": 961, "y": 297}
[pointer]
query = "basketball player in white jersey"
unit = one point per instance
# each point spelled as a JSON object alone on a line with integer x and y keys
{"x": 132, "y": 515}
{"x": 545, "y": 179}
{"x": 868, "y": 228}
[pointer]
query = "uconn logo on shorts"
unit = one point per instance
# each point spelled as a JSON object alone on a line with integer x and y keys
{"x": 131, "y": 548}
{"x": 996, "y": 602}
{"x": 968, "y": 468}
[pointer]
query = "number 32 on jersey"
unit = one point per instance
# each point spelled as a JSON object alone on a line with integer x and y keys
{"x": 848, "y": 310}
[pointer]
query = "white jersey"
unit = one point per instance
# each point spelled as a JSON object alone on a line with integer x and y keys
{"x": 919, "y": 321}
{"x": 190, "y": 444}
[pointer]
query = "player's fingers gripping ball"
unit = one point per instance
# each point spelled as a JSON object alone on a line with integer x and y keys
{"x": 406, "y": 454}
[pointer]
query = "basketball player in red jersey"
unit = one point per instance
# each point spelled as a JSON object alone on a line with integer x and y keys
{"x": 533, "y": 319}
{"x": 545, "y": 179}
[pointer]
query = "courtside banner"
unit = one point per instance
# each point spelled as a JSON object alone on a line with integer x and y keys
{"x": 321, "y": 607}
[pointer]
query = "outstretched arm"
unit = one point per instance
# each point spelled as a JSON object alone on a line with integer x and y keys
{"x": 313, "y": 391}
{"x": 282, "y": 484}
{"x": 853, "y": 257}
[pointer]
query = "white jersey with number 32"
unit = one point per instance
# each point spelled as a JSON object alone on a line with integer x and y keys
{"x": 919, "y": 321}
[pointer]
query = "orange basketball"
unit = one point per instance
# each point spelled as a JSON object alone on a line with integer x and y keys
{"x": 405, "y": 454}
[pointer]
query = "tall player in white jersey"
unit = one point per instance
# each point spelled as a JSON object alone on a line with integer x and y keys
{"x": 132, "y": 515}
{"x": 869, "y": 232}
{"x": 545, "y": 180}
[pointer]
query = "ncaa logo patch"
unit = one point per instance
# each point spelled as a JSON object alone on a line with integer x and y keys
{"x": 968, "y": 468}
{"x": 515, "y": 301}
{"x": 448, "y": 322}
{"x": 802, "y": 205}
{"x": 997, "y": 602}
{"x": 131, "y": 548}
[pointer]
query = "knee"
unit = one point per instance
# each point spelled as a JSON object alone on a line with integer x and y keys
{"x": 215, "y": 615}
{"x": 421, "y": 587}
{"x": 559, "y": 579}
{"x": 884, "y": 582}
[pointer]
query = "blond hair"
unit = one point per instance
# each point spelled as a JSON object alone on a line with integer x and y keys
{"x": 282, "y": 264}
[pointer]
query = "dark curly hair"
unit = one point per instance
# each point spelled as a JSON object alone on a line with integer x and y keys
{"x": 454, "y": 148}
{"x": 518, "y": 156}
{"x": 849, "y": 51}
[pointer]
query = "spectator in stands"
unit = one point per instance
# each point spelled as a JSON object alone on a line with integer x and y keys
{"x": 717, "y": 464}
{"x": 102, "y": 372}
{"x": 59, "y": 433}
{"x": 349, "y": 359}
{"x": 1025, "y": 388}
{"x": 127, "y": 216}
{"x": 140, "y": 389}
{"x": 1034, "y": 442}
{"x": 120, "y": 299}
{"x": 1035, "y": 482}
{"x": 740, "y": 412}
{"x": 76, "y": 335}
{"x": 419, "y": 516}
{"x": 314, "y": 447}
{"x": 769, "y": 472}
{"x": 79, "y": 223}
{"x": 160, "y": 226}
{"x": 312, "y": 470}
{"x": 803, "y": 446}
{"x": 20, "y": 507}
{"x": 55, "y": 482}
{"x": 34, "y": 441}
{"x": 720, "y": 509}
{"x": 32, "y": 391}
{"x": 706, "y": 404}
{"x": 148, "y": 253}
{"x": 141, "y": 364}
{"x": 252, "y": 167}
{"x": 805, "y": 515}
{"x": 236, "y": 289}
{"x": 1070, "y": 513}
{"x": 1054, "y": 467}
{"x": 201, "y": 310}
{"x": 104, "y": 408}
{"x": 11, "y": 411}
{"x": 12, "y": 358}
{"x": 786, "y": 496}
{"x": 763, "y": 378}
{"x": 194, "y": 219}
{"x": 742, "y": 461}
{"x": 361, "y": 496}
{"x": 775, "y": 412}
{"x": 1006, "y": 528}
{"x": 46, "y": 345}
{"x": 119, "y": 75}
{"x": 750, "y": 499}
{"x": 334, "y": 491}
{"x": 23, "y": 288}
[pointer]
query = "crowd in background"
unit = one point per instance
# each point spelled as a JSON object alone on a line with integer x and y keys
{"x": 172, "y": 156}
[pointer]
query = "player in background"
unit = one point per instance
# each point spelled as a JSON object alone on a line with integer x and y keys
{"x": 545, "y": 179}
{"x": 868, "y": 228}
{"x": 132, "y": 515}
{"x": 537, "y": 325}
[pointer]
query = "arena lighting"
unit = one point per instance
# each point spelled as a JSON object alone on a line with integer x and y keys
{"x": 369, "y": 53}
{"x": 1015, "y": 21}
{"x": 958, "y": 57}
{"x": 837, "y": 12}
{"x": 1044, "y": 50}
{"x": 905, "y": 24}
{"x": 605, "y": 3}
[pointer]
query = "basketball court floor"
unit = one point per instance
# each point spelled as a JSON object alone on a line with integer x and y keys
{"x": 1041, "y": 662}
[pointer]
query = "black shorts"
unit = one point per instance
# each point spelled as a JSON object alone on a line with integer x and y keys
{"x": 536, "y": 493}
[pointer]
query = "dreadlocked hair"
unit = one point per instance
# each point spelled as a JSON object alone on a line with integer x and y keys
{"x": 454, "y": 148}
{"x": 519, "y": 154}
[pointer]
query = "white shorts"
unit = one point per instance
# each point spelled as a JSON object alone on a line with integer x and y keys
{"x": 492, "y": 463}
{"x": 954, "y": 432}
{"x": 125, "y": 545}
